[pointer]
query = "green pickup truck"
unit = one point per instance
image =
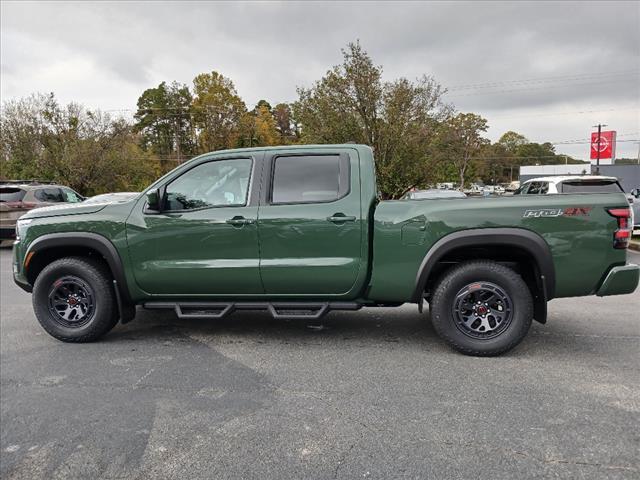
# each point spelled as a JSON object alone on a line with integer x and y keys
{"x": 300, "y": 231}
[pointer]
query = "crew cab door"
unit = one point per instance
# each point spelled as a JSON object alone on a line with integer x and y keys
{"x": 204, "y": 240}
{"x": 310, "y": 222}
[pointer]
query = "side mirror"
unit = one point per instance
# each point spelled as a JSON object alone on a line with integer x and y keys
{"x": 153, "y": 200}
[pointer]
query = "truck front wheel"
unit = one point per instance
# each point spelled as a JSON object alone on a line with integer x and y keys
{"x": 73, "y": 300}
{"x": 481, "y": 308}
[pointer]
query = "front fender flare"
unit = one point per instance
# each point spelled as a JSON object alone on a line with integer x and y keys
{"x": 93, "y": 241}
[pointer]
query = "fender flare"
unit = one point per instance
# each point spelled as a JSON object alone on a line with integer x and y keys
{"x": 527, "y": 240}
{"x": 93, "y": 241}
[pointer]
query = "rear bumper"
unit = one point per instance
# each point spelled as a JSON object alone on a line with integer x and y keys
{"x": 620, "y": 280}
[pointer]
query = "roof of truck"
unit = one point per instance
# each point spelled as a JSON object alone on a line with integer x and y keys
{"x": 564, "y": 178}
{"x": 288, "y": 147}
{"x": 28, "y": 185}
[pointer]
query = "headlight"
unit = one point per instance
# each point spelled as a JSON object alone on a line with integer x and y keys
{"x": 21, "y": 227}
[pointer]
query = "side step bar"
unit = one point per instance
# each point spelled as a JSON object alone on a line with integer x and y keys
{"x": 279, "y": 310}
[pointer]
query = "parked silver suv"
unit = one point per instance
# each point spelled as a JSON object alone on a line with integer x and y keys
{"x": 20, "y": 196}
{"x": 635, "y": 195}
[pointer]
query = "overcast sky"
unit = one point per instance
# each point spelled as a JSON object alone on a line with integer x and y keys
{"x": 547, "y": 70}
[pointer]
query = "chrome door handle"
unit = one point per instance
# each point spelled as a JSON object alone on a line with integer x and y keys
{"x": 239, "y": 221}
{"x": 339, "y": 218}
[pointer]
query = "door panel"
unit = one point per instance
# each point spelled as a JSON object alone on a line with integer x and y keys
{"x": 312, "y": 247}
{"x": 207, "y": 243}
{"x": 196, "y": 252}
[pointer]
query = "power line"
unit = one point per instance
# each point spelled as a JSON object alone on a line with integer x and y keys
{"x": 532, "y": 89}
{"x": 559, "y": 78}
{"x": 589, "y": 141}
{"x": 575, "y": 112}
{"x": 626, "y": 134}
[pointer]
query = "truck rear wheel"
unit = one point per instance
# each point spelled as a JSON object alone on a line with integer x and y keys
{"x": 73, "y": 300}
{"x": 482, "y": 308}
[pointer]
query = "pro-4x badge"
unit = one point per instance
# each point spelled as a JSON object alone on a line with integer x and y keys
{"x": 557, "y": 212}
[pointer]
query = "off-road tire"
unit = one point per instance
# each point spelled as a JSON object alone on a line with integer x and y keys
{"x": 94, "y": 274}
{"x": 457, "y": 278}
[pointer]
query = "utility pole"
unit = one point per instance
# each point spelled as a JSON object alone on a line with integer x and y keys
{"x": 599, "y": 126}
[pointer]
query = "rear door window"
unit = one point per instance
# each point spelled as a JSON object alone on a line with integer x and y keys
{"x": 50, "y": 195}
{"x": 591, "y": 186}
{"x": 11, "y": 194}
{"x": 522, "y": 189}
{"x": 310, "y": 178}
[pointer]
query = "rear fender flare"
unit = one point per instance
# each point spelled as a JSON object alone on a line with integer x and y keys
{"x": 526, "y": 240}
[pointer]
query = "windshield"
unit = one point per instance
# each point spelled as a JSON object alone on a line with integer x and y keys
{"x": 520, "y": 189}
{"x": 591, "y": 186}
{"x": 11, "y": 194}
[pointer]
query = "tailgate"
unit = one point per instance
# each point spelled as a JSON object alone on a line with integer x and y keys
{"x": 9, "y": 214}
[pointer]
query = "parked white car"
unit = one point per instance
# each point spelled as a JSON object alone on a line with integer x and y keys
{"x": 579, "y": 184}
{"x": 569, "y": 184}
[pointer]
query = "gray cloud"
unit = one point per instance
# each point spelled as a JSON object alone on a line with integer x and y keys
{"x": 105, "y": 54}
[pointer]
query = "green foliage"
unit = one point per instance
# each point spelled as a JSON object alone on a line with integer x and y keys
{"x": 218, "y": 113}
{"x": 499, "y": 162}
{"x": 417, "y": 139}
{"x": 398, "y": 118}
{"x": 460, "y": 141}
{"x": 164, "y": 121}
{"x": 286, "y": 127}
{"x": 511, "y": 141}
{"x": 86, "y": 150}
{"x": 258, "y": 127}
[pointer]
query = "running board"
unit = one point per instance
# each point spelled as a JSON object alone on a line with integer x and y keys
{"x": 279, "y": 310}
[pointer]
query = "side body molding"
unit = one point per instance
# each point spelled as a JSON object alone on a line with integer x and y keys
{"x": 526, "y": 240}
{"x": 88, "y": 240}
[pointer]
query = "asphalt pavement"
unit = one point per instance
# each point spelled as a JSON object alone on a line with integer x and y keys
{"x": 369, "y": 394}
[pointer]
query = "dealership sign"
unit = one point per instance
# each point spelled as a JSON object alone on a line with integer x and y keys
{"x": 606, "y": 146}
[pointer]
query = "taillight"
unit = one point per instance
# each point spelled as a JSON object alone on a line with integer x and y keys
{"x": 622, "y": 235}
{"x": 20, "y": 204}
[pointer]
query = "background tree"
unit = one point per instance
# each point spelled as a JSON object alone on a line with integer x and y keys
{"x": 398, "y": 119}
{"x": 218, "y": 112}
{"x": 285, "y": 125}
{"x": 163, "y": 120}
{"x": 87, "y": 150}
{"x": 500, "y": 162}
{"x": 460, "y": 141}
{"x": 258, "y": 127}
{"x": 511, "y": 141}
{"x": 266, "y": 132}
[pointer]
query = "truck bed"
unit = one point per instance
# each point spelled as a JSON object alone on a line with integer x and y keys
{"x": 577, "y": 229}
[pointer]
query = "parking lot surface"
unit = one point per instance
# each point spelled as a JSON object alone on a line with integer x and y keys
{"x": 370, "y": 394}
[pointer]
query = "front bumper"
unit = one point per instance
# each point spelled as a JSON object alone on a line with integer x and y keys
{"x": 620, "y": 281}
{"x": 19, "y": 276}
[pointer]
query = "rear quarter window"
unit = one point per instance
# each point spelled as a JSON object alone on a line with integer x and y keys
{"x": 599, "y": 186}
{"x": 11, "y": 194}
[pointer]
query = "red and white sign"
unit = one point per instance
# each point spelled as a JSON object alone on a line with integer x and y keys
{"x": 607, "y": 146}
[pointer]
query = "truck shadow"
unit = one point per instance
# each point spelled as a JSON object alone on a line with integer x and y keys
{"x": 387, "y": 325}
{"x": 367, "y": 328}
